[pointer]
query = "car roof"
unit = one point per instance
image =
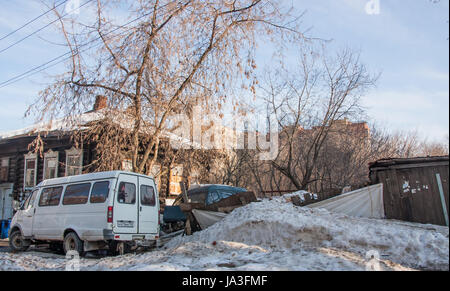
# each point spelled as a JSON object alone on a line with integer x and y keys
{"x": 87, "y": 177}
{"x": 208, "y": 188}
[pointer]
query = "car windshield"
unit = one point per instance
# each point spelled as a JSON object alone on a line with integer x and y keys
{"x": 198, "y": 197}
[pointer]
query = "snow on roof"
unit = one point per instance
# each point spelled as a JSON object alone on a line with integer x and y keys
{"x": 56, "y": 125}
{"x": 229, "y": 136}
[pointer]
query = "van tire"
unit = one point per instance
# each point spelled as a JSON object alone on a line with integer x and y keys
{"x": 17, "y": 243}
{"x": 73, "y": 243}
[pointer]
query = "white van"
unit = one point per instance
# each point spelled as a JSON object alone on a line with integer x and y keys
{"x": 110, "y": 210}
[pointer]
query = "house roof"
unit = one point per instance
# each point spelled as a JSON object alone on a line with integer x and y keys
{"x": 64, "y": 125}
{"x": 407, "y": 162}
{"x": 60, "y": 125}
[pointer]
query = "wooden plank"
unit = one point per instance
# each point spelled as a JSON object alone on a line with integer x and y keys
{"x": 436, "y": 209}
{"x": 441, "y": 192}
{"x": 184, "y": 192}
{"x": 188, "y": 228}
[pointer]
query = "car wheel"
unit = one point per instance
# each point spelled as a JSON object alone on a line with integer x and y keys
{"x": 73, "y": 243}
{"x": 17, "y": 242}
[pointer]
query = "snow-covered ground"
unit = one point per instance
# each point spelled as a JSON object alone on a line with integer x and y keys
{"x": 276, "y": 235}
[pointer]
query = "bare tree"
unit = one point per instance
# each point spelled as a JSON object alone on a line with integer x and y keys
{"x": 308, "y": 103}
{"x": 169, "y": 56}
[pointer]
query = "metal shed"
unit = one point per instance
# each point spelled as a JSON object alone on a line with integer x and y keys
{"x": 415, "y": 189}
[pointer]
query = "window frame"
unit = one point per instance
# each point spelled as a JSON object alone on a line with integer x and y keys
{"x": 4, "y": 167}
{"x": 29, "y": 157}
{"x": 78, "y": 184}
{"x": 74, "y": 152}
{"x": 127, "y": 165}
{"x": 48, "y": 156}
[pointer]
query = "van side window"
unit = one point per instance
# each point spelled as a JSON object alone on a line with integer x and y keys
{"x": 147, "y": 196}
{"x": 50, "y": 196}
{"x": 100, "y": 192}
{"x": 127, "y": 193}
{"x": 76, "y": 194}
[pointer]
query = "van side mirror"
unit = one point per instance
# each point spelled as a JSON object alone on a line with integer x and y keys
{"x": 16, "y": 205}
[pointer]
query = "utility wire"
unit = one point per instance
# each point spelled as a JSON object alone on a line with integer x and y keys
{"x": 66, "y": 56}
{"x": 33, "y": 20}
{"x": 42, "y": 28}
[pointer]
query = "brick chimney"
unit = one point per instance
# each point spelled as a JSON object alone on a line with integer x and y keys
{"x": 101, "y": 102}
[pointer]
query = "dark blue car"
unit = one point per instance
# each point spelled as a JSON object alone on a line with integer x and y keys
{"x": 212, "y": 193}
{"x": 205, "y": 195}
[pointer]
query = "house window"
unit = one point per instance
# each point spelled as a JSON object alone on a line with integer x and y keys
{"x": 51, "y": 165}
{"x": 4, "y": 169}
{"x": 30, "y": 171}
{"x": 176, "y": 177}
{"x": 74, "y": 162}
{"x": 127, "y": 165}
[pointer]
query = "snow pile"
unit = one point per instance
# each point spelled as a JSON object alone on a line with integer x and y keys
{"x": 278, "y": 226}
{"x": 275, "y": 235}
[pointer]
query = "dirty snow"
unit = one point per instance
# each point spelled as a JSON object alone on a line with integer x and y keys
{"x": 276, "y": 235}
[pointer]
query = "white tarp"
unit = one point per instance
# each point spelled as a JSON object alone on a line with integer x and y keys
{"x": 207, "y": 218}
{"x": 366, "y": 202}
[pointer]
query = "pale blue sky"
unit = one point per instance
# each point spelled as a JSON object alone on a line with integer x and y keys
{"x": 407, "y": 42}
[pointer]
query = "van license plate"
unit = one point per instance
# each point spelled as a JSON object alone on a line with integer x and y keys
{"x": 125, "y": 224}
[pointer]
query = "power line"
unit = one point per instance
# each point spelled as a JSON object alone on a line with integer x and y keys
{"x": 49, "y": 64}
{"x": 42, "y": 28}
{"x": 33, "y": 20}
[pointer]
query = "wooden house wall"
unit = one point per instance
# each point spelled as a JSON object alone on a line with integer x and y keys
{"x": 16, "y": 149}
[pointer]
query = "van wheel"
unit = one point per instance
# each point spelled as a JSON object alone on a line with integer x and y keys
{"x": 17, "y": 242}
{"x": 73, "y": 243}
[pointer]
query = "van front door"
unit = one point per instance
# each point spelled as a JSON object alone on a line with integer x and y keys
{"x": 148, "y": 207}
{"x": 26, "y": 215}
{"x": 125, "y": 215}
